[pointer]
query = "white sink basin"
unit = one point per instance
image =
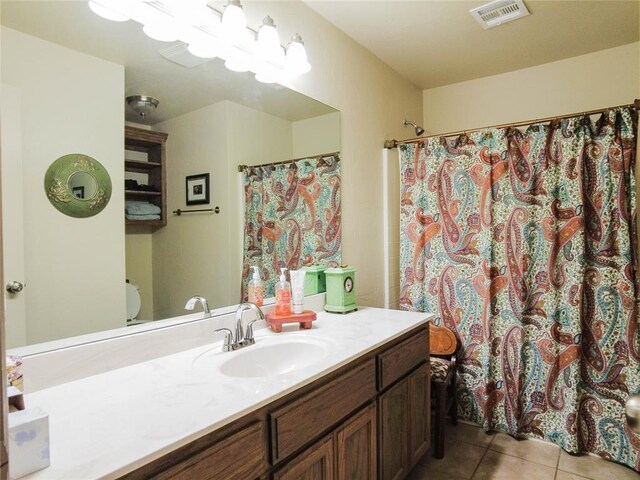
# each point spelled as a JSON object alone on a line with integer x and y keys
{"x": 269, "y": 358}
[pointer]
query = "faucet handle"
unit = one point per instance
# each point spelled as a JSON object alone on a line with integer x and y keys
{"x": 248, "y": 338}
{"x": 228, "y": 345}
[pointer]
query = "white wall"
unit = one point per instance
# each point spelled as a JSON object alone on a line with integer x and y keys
{"x": 68, "y": 258}
{"x": 596, "y": 80}
{"x": 391, "y": 223}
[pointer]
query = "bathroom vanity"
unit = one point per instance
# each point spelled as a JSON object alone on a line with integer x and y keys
{"x": 350, "y": 395}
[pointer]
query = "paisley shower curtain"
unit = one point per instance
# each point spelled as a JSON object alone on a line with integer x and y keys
{"x": 523, "y": 243}
{"x": 292, "y": 217}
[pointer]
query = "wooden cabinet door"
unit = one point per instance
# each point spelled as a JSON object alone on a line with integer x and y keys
{"x": 298, "y": 422}
{"x": 419, "y": 414}
{"x": 241, "y": 455}
{"x": 315, "y": 463}
{"x": 393, "y": 420}
{"x": 356, "y": 447}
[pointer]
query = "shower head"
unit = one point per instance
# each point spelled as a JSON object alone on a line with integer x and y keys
{"x": 419, "y": 130}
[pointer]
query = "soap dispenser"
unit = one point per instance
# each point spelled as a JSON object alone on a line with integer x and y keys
{"x": 283, "y": 295}
{"x": 256, "y": 288}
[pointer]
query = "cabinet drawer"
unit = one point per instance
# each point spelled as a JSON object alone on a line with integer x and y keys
{"x": 303, "y": 419}
{"x": 241, "y": 455}
{"x": 397, "y": 361}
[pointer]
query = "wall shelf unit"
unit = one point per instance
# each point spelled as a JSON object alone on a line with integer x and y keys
{"x": 145, "y": 162}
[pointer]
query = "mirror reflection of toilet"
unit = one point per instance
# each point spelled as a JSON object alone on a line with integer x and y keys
{"x": 133, "y": 304}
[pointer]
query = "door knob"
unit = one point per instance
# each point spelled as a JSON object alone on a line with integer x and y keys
{"x": 14, "y": 287}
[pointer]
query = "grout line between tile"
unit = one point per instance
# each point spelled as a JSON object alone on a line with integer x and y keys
{"x": 493, "y": 437}
{"x": 555, "y": 477}
{"x": 524, "y": 459}
{"x": 475, "y": 470}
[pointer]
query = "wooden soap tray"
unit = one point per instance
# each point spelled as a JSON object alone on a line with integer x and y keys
{"x": 304, "y": 319}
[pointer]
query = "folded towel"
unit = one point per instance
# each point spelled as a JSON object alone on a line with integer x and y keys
{"x": 141, "y": 208}
{"x": 142, "y": 217}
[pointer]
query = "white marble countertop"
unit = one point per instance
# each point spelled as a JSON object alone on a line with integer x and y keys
{"x": 106, "y": 425}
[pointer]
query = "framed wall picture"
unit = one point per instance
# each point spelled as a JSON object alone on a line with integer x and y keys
{"x": 198, "y": 189}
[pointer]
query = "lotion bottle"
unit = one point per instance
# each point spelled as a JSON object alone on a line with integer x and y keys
{"x": 256, "y": 288}
{"x": 283, "y": 295}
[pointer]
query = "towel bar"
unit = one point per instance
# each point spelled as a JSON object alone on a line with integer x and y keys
{"x": 180, "y": 212}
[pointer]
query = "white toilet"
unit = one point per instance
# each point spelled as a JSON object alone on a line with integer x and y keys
{"x": 133, "y": 304}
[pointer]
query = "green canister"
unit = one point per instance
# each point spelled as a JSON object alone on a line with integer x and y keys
{"x": 341, "y": 289}
{"x": 314, "y": 279}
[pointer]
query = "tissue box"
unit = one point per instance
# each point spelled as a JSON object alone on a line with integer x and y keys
{"x": 28, "y": 441}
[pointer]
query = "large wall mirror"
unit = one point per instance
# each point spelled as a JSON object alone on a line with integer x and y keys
{"x": 65, "y": 75}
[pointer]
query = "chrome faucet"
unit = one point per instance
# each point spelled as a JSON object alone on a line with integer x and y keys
{"x": 191, "y": 303}
{"x": 241, "y": 339}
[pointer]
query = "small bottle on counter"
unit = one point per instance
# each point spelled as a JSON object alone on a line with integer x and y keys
{"x": 256, "y": 288}
{"x": 283, "y": 295}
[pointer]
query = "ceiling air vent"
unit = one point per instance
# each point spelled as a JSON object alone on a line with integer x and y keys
{"x": 499, "y": 12}
{"x": 179, "y": 54}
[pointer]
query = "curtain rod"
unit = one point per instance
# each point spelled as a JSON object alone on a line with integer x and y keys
{"x": 284, "y": 162}
{"x": 394, "y": 143}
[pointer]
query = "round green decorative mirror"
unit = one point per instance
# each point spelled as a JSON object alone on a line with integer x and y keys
{"x": 78, "y": 185}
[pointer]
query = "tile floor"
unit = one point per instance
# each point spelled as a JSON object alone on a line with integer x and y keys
{"x": 472, "y": 454}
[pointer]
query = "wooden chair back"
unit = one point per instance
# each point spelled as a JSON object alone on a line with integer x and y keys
{"x": 442, "y": 341}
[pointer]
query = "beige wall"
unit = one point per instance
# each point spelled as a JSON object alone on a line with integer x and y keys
{"x": 373, "y": 100}
{"x": 202, "y": 253}
{"x": 68, "y": 258}
{"x": 596, "y": 80}
{"x": 12, "y": 218}
{"x": 606, "y": 78}
{"x": 271, "y": 141}
{"x": 191, "y": 248}
{"x": 317, "y": 135}
{"x": 139, "y": 267}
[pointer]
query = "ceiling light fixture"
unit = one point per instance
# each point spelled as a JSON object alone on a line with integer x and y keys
{"x": 142, "y": 104}
{"x": 210, "y": 33}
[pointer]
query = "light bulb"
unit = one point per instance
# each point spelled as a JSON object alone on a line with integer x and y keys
{"x": 162, "y": 31}
{"x": 268, "y": 44}
{"x": 193, "y": 12}
{"x": 106, "y": 11}
{"x": 237, "y": 60}
{"x": 234, "y": 25}
{"x": 201, "y": 50}
{"x": 296, "y": 59}
{"x": 267, "y": 74}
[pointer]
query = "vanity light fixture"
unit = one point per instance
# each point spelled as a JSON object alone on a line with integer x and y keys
{"x": 296, "y": 59}
{"x": 210, "y": 33}
{"x": 142, "y": 104}
{"x": 106, "y": 12}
